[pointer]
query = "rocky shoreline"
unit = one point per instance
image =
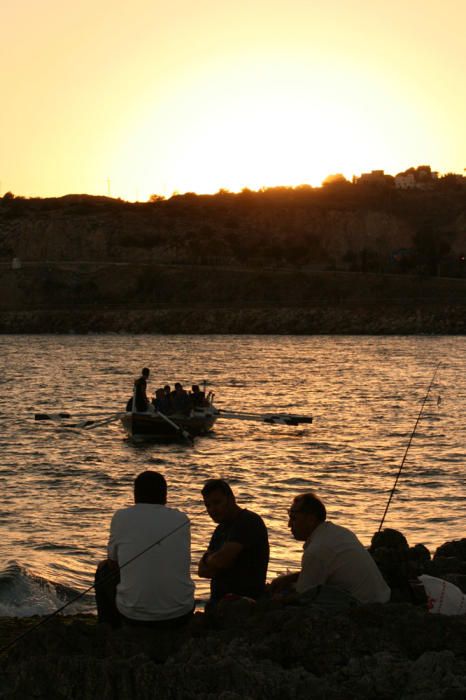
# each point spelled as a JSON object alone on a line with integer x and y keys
{"x": 196, "y": 299}
{"x": 248, "y": 651}
{"x": 192, "y": 320}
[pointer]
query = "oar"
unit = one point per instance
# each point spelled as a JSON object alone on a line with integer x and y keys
{"x": 89, "y": 424}
{"x": 51, "y": 416}
{"x": 273, "y": 418}
{"x": 86, "y": 424}
{"x": 177, "y": 427}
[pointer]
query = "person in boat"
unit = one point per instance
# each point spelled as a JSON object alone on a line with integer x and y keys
{"x": 140, "y": 390}
{"x": 161, "y": 401}
{"x": 155, "y": 588}
{"x": 168, "y": 397}
{"x": 332, "y": 555}
{"x": 197, "y": 396}
{"x": 237, "y": 557}
{"x": 180, "y": 399}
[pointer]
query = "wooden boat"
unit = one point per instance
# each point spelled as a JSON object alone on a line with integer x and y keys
{"x": 198, "y": 420}
{"x": 159, "y": 426}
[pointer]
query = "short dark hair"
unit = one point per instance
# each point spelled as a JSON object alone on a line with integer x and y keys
{"x": 310, "y": 503}
{"x": 150, "y": 487}
{"x": 217, "y": 485}
{"x": 145, "y": 371}
{"x": 389, "y": 539}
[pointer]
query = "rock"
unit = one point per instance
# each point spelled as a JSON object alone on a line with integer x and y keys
{"x": 244, "y": 651}
{"x": 456, "y": 548}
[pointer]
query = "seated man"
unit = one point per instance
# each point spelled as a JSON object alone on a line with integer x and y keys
{"x": 149, "y": 552}
{"x": 238, "y": 554}
{"x": 197, "y": 396}
{"x": 168, "y": 399}
{"x": 333, "y": 555}
{"x": 180, "y": 399}
{"x": 161, "y": 402}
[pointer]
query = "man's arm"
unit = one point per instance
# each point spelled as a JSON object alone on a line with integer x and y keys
{"x": 112, "y": 546}
{"x": 314, "y": 571}
{"x": 213, "y": 562}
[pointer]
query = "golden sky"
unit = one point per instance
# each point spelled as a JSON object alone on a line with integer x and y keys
{"x": 102, "y": 96}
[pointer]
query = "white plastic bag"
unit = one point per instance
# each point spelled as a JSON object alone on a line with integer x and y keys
{"x": 443, "y": 597}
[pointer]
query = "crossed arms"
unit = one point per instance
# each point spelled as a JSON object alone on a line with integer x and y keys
{"x": 213, "y": 562}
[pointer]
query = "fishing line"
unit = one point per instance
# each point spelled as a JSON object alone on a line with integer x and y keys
{"x": 407, "y": 447}
{"x": 104, "y": 579}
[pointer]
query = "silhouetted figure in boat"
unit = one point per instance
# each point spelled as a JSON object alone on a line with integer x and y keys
{"x": 161, "y": 402}
{"x": 140, "y": 390}
{"x": 197, "y": 396}
{"x": 168, "y": 398}
{"x": 180, "y": 399}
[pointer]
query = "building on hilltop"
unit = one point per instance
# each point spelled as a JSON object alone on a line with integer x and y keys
{"x": 420, "y": 178}
{"x": 375, "y": 177}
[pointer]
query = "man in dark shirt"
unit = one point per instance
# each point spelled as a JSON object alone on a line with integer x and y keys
{"x": 238, "y": 554}
{"x": 140, "y": 390}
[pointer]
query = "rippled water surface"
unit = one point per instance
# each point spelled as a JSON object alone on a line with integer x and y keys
{"x": 60, "y": 485}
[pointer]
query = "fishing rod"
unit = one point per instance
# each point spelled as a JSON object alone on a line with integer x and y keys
{"x": 413, "y": 432}
{"x": 103, "y": 580}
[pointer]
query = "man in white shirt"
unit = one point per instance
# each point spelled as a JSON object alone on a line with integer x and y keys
{"x": 332, "y": 555}
{"x": 149, "y": 552}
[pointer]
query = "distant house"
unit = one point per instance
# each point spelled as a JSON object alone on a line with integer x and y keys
{"x": 421, "y": 178}
{"x": 375, "y": 177}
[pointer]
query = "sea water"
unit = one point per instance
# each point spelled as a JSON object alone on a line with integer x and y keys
{"x": 60, "y": 485}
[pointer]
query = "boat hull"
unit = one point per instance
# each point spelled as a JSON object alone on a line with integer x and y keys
{"x": 150, "y": 426}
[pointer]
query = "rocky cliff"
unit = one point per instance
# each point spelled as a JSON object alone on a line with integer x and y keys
{"x": 286, "y": 262}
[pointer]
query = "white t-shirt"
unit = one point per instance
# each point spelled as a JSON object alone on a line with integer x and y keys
{"x": 333, "y": 555}
{"x": 157, "y": 585}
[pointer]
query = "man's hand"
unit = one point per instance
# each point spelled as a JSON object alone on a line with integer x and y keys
{"x": 282, "y": 584}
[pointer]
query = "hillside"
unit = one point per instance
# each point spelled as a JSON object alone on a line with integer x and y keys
{"x": 344, "y": 258}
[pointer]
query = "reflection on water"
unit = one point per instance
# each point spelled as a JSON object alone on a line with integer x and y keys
{"x": 61, "y": 485}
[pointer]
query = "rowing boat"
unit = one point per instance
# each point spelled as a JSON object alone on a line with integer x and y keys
{"x": 198, "y": 421}
{"x": 158, "y": 426}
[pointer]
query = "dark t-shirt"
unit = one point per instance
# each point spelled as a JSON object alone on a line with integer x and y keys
{"x": 247, "y": 575}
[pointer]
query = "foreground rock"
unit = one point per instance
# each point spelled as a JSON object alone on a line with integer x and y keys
{"x": 391, "y": 651}
{"x": 314, "y": 649}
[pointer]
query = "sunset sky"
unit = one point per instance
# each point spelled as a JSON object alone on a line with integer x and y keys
{"x": 154, "y": 97}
